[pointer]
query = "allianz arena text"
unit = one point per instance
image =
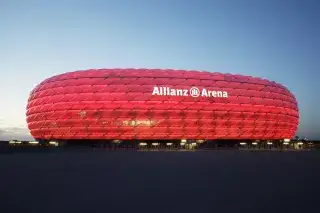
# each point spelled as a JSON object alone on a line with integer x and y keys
{"x": 194, "y": 92}
{"x": 154, "y": 104}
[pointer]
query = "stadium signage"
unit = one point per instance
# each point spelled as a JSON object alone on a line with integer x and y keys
{"x": 193, "y": 91}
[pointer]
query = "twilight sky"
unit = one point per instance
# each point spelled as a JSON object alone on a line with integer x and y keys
{"x": 275, "y": 39}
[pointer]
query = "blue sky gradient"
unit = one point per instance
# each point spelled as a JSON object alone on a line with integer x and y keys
{"x": 277, "y": 40}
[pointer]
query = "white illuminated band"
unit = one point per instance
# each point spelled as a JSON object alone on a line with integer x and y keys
{"x": 193, "y": 92}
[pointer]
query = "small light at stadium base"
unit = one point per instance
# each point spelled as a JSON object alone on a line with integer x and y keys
{"x": 53, "y": 143}
{"x": 33, "y": 142}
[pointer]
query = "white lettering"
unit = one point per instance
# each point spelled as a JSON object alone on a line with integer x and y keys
{"x": 155, "y": 91}
{"x": 161, "y": 92}
{"x": 225, "y": 94}
{"x": 204, "y": 93}
{"x": 194, "y": 92}
{"x": 214, "y": 94}
{"x": 173, "y": 92}
{"x": 185, "y": 92}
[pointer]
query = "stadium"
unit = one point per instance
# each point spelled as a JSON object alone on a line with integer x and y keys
{"x": 161, "y": 108}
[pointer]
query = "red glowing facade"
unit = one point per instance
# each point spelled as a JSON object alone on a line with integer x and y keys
{"x": 160, "y": 104}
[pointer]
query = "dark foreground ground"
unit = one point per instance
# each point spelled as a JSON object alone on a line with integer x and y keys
{"x": 204, "y": 181}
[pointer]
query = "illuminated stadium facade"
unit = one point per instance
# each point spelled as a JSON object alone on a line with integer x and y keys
{"x": 160, "y": 105}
